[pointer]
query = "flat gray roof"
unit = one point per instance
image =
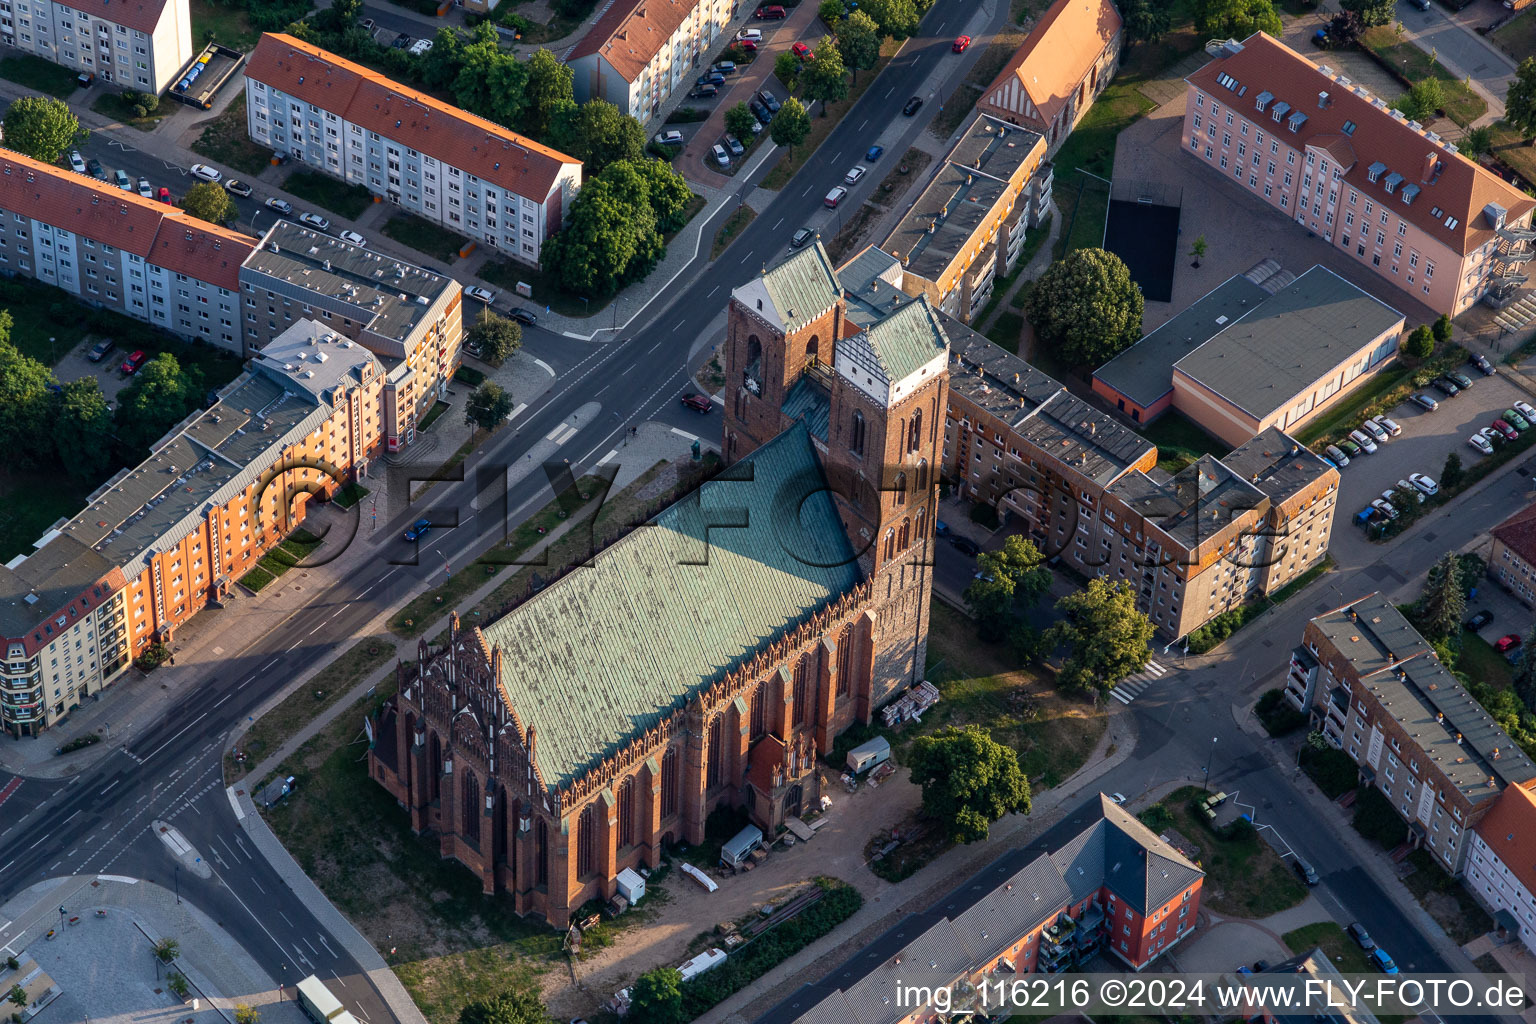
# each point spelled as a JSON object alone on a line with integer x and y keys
{"x": 1281, "y": 347}
{"x": 1276, "y": 463}
{"x": 46, "y": 581}
{"x": 1193, "y": 505}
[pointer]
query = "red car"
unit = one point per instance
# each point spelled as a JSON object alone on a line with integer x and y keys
{"x": 698, "y": 403}
{"x": 1509, "y": 432}
{"x": 747, "y": 45}
{"x": 802, "y": 51}
{"x": 961, "y": 44}
{"x": 772, "y": 12}
{"x": 1508, "y": 643}
{"x": 164, "y": 195}
{"x": 133, "y": 362}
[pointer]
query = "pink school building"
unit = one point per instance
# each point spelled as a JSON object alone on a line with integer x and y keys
{"x": 1339, "y": 161}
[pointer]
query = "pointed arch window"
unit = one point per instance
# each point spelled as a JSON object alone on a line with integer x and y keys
{"x": 856, "y": 441}
{"x": 915, "y": 431}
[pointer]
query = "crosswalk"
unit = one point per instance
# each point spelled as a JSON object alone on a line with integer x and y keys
{"x": 1132, "y": 686}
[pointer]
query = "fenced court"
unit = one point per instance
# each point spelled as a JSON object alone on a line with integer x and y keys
{"x": 1143, "y": 230}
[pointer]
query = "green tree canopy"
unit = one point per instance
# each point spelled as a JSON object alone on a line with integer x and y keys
{"x": 1010, "y": 579}
{"x": 1371, "y": 12}
{"x": 1442, "y": 328}
{"x": 519, "y": 1007}
{"x": 1523, "y": 679}
{"x": 1519, "y": 102}
{"x": 1106, "y": 636}
{"x": 439, "y": 66}
{"x": 786, "y": 68}
{"x": 549, "y": 94}
{"x": 497, "y": 337}
{"x": 790, "y": 125}
{"x": 159, "y": 396}
{"x": 615, "y": 229}
{"x": 969, "y": 780}
{"x": 831, "y": 12}
{"x": 1443, "y": 602}
{"x": 1237, "y": 19}
{"x": 209, "y": 202}
{"x": 82, "y": 429}
{"x": 825, "y": 78}
{"x": 740, "y": 119}
{"x": 1451, "y": 473}
{"x": 599, "y": 133}
{"x": 1424, "y": 98}
{"x": 42, "y": 128}
{"x": 1420, "y": 343}
{"x": 24, "y": 404}
{"x": 1145, "y": 21}
{"x": 667, "y": 192}
{"x": 488, "y": 407}
{"x": 858, "y": 40}
{"x": 657, "y": 997}
{"x": 896, "y": 18}
{"x": 1087, "y": 307}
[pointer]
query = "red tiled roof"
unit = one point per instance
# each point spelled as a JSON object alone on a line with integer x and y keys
{"x": 1509, "y": 829}
{"x": 472, "y": 144}
{"x": 632, "y": 32}
{"x": 1059, "y": 52}
{"x": 1461, "y": 190}
{"x": 159, "y": 233}
{"x": 1518, "y": 533}
{"x": 134, "y": 14}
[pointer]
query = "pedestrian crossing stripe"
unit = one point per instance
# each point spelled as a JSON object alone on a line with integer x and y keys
{"x": 1132, "y": 686}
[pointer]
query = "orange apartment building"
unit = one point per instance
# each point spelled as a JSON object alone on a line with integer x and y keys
{"x": 1393, "y": 196}
{"x": 159, "y": 542}
{"x": 1099, "y": 881}
{"x": 640, "y": 52}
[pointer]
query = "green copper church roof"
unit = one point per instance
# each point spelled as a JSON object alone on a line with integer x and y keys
{"x": 803, "y": 286}
{"x": 606, "y": 652}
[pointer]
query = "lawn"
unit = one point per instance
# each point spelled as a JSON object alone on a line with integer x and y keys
{"x": 1479, "y": 660}
{"x": 1511, "y": 149}
{"x": 1180, "y": 441}
{"x": 1446, "y": 899}
{"x": 112, "y": 105}
{"x": 1006, "y": 331}
{"x": 350, "y": 494}
{"x": 31, "y": 501}
{"x": 42, "y": 75}
{"x": 224, "y": 140}
{"x": 734, "y": 225}
{"x": 288, "y": 554}
{"x": 1408, "y": 64}
{"x": 224, "y": 23}
{"x": 425, "y": 237}
{"x": 1387, "y": 389}
{"x": 345, "y": 201}
{"x": 825, "y": 120}
{"x": 1244, "y": 876}
{"x": 1089, "y": 154}
{"x": 1345, "y": 953}
{"x": 1518, "y": 37}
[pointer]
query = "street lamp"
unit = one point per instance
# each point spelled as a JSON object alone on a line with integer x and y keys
{"x": 1208, "y": 761}
{"x": 178, "y": 883}
{"x": 584, "y": 306}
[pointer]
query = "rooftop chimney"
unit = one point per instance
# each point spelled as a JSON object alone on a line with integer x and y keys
{"x": 1430, "y": 163}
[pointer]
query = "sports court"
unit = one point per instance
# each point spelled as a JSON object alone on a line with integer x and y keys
{"x": 1143, "y": 230}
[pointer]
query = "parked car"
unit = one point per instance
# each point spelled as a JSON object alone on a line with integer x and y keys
{"x": 1384, "y": 962}
{"x": 420, "y": 46}
{"x": 94, "y": 169}
{"x": 704, "y": 92}
{"x": 834, "y": 197}
{"x": 966, "y": 546}
{"x": 99, "y": 350}
{"x": 484, "y": 295}
{"x": 1516, "y": 420}
{"x": 1362, "y": 938}
{"x": 1304, "y": 871}
{"x": 1480, "y": 443}
{"x": 771, "y": 12}
{"x": 314, "y": 220}
{"x": 748, "y": 45}
{"x": 353, "y": 237}
{"x": 1509, "y": 432}
{"x": 1406, "y": 486}
{"x": 146, "y": 189}
{"x": 1507, "y": 643}
{"x": 1446, "y": 387}
{"x": 282, "y": 206}
{"x": 164, "y": 195}
{"x": 417, "y": 530}
{"x": 133, "y": 362}
{"x": 523, "y": 316}
{"x": 725, "y": 67}
{"x": 720, "y": 155}
{"x": 206, "y": 173}
{"x": 1384, "y": 506}
{"x": 754, "y": 34}
{"x": 1479, "y": 620}
{"x": 235, "y": 186}
{"x": 698, "y": 403}
{"x": 961, "y": 44}
{"x": 802, "y": 51}
{"x": 769, "y": 100}
{"x": 801, "y": 237}
{"x": 1462, "y": 380}
{"x": 912, "y": 106}
{"x": 1364, "y": 440}
{"x": 1424, "y": 483}
{"x": 669, "y": 138}
{"x": 1480, "y": 361}
{"x": 1425, "y": 402}
{"x": 1527, "y": 410}
{"x": 853, "y": 176}
{"x": 733, "y": 144}
{"x": 1351, "y": 449}
{"x": 76, "y": 161}
{"x": 761, "y": 112}
{"x": 1337, "y": 455}
{"x": 1389, "y": 425}
{"x": 400, "y": 41}
{"x": 1375, "y": 430}
{"x": 873, "y": 153}
{"x": 1494, "y": 437}
{"x": 121, "y": 180}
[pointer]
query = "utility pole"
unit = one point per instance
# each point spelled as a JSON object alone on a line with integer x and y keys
{"x": 1208, "y": 762}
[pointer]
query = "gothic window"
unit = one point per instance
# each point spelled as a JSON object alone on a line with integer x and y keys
{"x": 627, "y": 812}
{"x": 759, "y": 711}
{"x": 752, "y": 375}
{"x": 715, "y": 773}
{"x": 812, "y": 349}
{"x": 586, "y": 842}
{"x": 890, "y": 544}
{"x": 915, "y": 432}
{"x": 919, "y": 521}
{"x": 901, "y": 488}
{"x": 669, "y": 783}
{"x": 802, "y": 698}
{"x": 541, "y": 853}
{"x": 469, "y": 820}
{"x": 856, "y": 443}
{"x": 905, "y": 537}
{"x": 844, "y": 661}
{"x": 921, "y": 477}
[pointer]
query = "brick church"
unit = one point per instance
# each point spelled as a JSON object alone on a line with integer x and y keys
{"x": 708, "y": 657}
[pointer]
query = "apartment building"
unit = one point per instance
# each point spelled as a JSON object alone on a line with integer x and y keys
{"x": 137, "y": 44}
{"x": 470, "y": 175}
{"x": 120, "y": 251}
{"x": 1512, "y": 561}
{"x": 1501, "y": 864}
{"x": 1099, "y": 880}
{"x": 159, "y": 542}
{"x": 640, "y": 52}
{"x": 1067, "y": 60}
{"x": 1374, "y": 687}
{"x": 1262, "y": 349}
{"x": 410, "y": 318}
{"x": 967, "y": 226}
{"x": 1383, "y": 190}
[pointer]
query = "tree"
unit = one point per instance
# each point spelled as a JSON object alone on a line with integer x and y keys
{"x": 1442, "y": 328}
{"x": 667, "y": 192}
{"x": 1420, "y": 343}
{"x": 740, "y": 119}
{"x": 1523, "y": 678}
{"x": 1443, "y": 603}
{"x": 488, "y": 407}
{"x": 1406, "y": 500}
{"x": 519, "y": 1007}
{"x": 491, "y": 83}
{"x": 1451, "y": 473}
{"x": 42, "y": 128}
{"x": 24, "y": 404}
{"x": 347, "y": 11}
{"x": 207, "y": 201}
{"x": 1237, "y": 19}
{"x": 786, "y": 68}
{"x": 969, "y": 780}
{"x": 1198, "y": 248}
{"x": 1424, "y": 98}
{"x": 550, "y": 85}
{"x": 858, "y": 40}
{"x": 17, "y": 995}
{"x": 1371, "y": 12}
{"x": 82, "y": 429}
{"x": 790, "y": 125}
{"x": 1519, "y": 102}
{"x": 657, "y": 997}
{"x": 825, "y": 78}
{"x": 247, "y": 1014}
{"x": 1145, "y": 21}
{"x": 1087, "y": 306}
{"x": 167, "y": 950}
{"x": 1477, "y": 142}
{"x": 1008, "y": 580}
{"x": 160, "y": 395}
{"x": 831, "y": 12}
{"x": 439, "y": 66}
{"x": 896, "y": 18}
{"x": 1106, "y": 636}
{"x": 599, "y": 133}
{"x": 497, "y": 337}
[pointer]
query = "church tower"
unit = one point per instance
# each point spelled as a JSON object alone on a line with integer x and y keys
{"x": 872, "y": 387}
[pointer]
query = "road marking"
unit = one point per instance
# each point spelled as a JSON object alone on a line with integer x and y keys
{"x": 258, "y": 885}
{"x": 112, "y": 878}
{"x": 365, "y": 593}
{"x": 545, "y": 367}
{"x": 224, "y": 698}
{"x": 680, "y": 324}
{"x": 519, "y": 407}
{"x": 717, "y": 287}
{"x": 864, "y": 125}
{"x": 104, "y": 792}
{"x": 234, "y": 802}
{"x": 717, "y": 400}
{"x": 775, "y": 228}
{"x": 612, "y": 453}
{"x": 71, "y": 818}
{"x": 301, "y": 639}
{"x": 333, "y": 973}
{"x": 269, "y": 664}
{"x": 172, "y": 838}
{"x": 311, "y": 945}
{"x": 561, "y": 434}
{"x": 312, "y": 633}
{"x": 327, "y": 946}
{"x": 168, "y": 742}
{"x": 889, "y": 91}
{"x": 685, "y": 435}
{"x": 8, "y": 864}
{"x": 285, "y": 918}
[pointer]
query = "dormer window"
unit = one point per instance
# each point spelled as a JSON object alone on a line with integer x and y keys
{"x": 1375, "y": 171}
